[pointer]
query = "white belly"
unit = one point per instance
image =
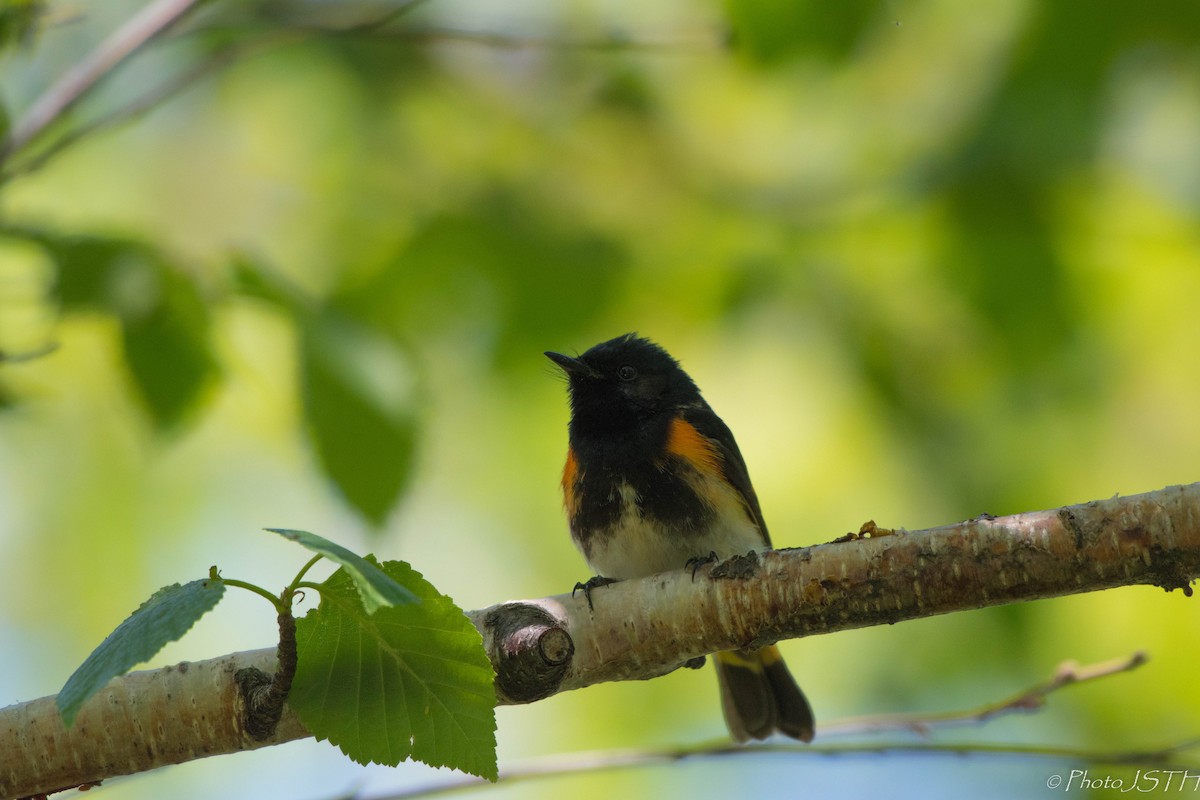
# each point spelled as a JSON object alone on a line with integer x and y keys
{"x": 643, "y": 546}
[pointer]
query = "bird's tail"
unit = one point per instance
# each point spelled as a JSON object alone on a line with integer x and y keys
{"x": 760, "y": 697}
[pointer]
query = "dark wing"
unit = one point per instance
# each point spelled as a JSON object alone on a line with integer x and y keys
{"x": 733, "y": 466}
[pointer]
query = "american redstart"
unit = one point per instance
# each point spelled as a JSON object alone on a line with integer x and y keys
{"x": 653, "y": 482}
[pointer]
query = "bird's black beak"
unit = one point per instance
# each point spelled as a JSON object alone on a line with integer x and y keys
{"x": 569, "y": 365}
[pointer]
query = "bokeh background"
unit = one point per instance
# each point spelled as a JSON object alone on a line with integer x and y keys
{"x": 927, "y": 259}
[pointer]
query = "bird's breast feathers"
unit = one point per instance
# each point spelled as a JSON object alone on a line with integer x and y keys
{"x": 645, "y": 521}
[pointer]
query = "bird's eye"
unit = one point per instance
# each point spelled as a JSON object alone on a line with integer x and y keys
{"x": 626, "y": 372}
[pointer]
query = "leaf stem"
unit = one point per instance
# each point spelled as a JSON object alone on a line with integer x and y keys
{"x": 280, "y": 605}
{"x": 299, "y": 581}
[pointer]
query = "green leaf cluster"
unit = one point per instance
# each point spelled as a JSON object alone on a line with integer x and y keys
{"x": 354, "y": 382}
{"x": 165, "y": 320}
{"x": 389, "y": 668}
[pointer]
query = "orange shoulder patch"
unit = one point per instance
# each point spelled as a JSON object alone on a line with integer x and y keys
{"x": 684, "y": 441}
{"x": 570, "y": 478}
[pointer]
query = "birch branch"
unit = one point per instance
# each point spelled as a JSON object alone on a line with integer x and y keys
{"x": 645, "y": 628}
{"x": 641, "y": 629}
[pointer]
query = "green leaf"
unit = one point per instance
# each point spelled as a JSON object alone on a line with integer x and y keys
{"x": 253, "y": 279}
{"x": 375, "y": 588}
{"x": 19, "y": 19}
{"x": 409, "y": 681}
{"x": 359, "y": 412}
{"x": 770, "y": 33}
{"x": 165, "y": 329}
{"x": 89, "y": 269}
{"x": 166, "y": 616}
{"x": 164, "y": 319}
{"x": 501, "y": 260}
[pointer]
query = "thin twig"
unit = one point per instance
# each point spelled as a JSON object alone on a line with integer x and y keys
{"x": 158, "y": 94}
{"x": 80, "y": 79}
{"x": 159, "y": 16}
{"x": 507, "y": 41}
{"x": 1031, "y": 699}
{"x": 389, "y": 17}
{"x": 601, "y": 761}
{"x": 141, "y": 105}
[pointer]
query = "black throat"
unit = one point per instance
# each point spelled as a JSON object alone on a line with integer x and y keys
{"x": 631, "y": 464}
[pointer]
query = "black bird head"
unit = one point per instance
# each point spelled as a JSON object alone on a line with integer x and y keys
{"x": 624, "y": 381}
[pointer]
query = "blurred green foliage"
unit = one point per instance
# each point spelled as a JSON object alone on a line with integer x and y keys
{"x": 364, "y": 438}
{"x": 18, "y": 19}
{"x": 774, "y": 32}
{"x": 164, "y": 319}
{"x": 927, "y": 259}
